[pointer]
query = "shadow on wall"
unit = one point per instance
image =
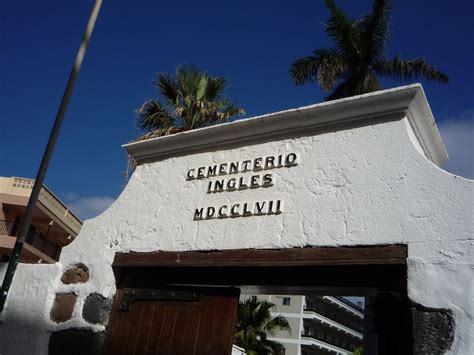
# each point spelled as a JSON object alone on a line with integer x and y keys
{"x": 25, "y": 332}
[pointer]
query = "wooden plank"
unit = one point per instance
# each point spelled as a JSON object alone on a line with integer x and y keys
{"x": 191, "y": 331}
{"x": 203, "y": 340}
{"x": 145, "y": 329}
{"x": 225, "y": 316}
{"x": 180, "y": 325}
{"x": 382, "y": 254}
{"x": 134, "y": 332}
{"x": 168, "y": 330}
{"x": 157, "y": 327}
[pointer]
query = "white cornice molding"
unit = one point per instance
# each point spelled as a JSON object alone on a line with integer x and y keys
{"x": 409, "y": 101}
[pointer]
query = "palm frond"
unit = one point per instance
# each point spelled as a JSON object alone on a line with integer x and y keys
{"x": 215, "y": 88}
{"x": 193, "y": 99}
{"x": 359, "y": 54}
{"x": 168, "y": 88}
{"x": 191, "y": 81}
{"x": 343, "y": 30}
{"x": 405, "y": 70}
{"x": 375, "y": 31}
{"x": 232, "y": 110}
{"x": 161, "y": 132}
{"x": 304, "y": 70}
{"x": 325, "y": 66}
{"x": 332, "y": 67}
{"x": 152, "y": 115}
{"x": 254, "y": 323}
{"x": 278, "y": 322}
{"x": 358, "y": 83}
{"x": 200, "y": 88}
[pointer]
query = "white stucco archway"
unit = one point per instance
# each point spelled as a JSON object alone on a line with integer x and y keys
{"x": 365, "y": 171}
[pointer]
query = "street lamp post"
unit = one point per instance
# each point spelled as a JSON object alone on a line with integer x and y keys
{"x": 25, "y": 225}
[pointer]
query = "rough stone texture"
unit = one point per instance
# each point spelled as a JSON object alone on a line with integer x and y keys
{"x": 433, "y": 330}
{"x": 63, "y": 307}
{"x": 97, "y": 309}
{"x": 76, "y": 274}
{"x": 76, "y": 342}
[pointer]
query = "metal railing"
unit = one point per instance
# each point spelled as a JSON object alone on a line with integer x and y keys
{"x": 349, "y": 303}
{"x": 36, "y": 240}
{"x": 330, "y": 339}
{"x": 50, "y": 201}
{"x": 335, "y": 316}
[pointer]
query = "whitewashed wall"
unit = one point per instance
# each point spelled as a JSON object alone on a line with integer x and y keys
{"x": 364, "y": 185}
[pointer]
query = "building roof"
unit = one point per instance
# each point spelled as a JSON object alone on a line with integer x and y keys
{"x": 19, "y": 190}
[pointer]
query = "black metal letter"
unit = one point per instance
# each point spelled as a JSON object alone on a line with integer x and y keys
{"x": 267, "y": 180}
{"x": 246, "y": 212}
{"x": 201, "y": 173}
{"x": 245, "y": 165}
{"x": 219, "y": 186}
{"x": 223, "y": 169}
{"x": 259, "y": 208}
{"x": 210, "y": 212}
{"x": 242, "y": 184}
{"x": 257, "y": 164}
{"x": 233, "y": 211}
{"x": 234, "y": 168}
{"x": 270, "y": 162}
{"x": 190, "y": 175}
{"x": 221, "y": 214}
{"x": 231, "y": 184}
{"x": 198, "y": 214}
{"x": 211, "y": 171}
{"x": 255, "y": 181}
{"x": 290, "y": 159}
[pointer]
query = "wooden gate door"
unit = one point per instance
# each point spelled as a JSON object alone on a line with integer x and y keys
{"x": 172, "y": 321}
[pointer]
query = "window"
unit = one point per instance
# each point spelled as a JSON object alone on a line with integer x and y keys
{"x": 286, "y": 301}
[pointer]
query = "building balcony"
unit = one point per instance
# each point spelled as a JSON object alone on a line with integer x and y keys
{"x": 325, "y": 321}
{"x": 332, "y": 341}
{"x": 37, "y": 247}
{"x": 333, "y": 318}
{"x": 52, "y": 225}
{"x": 16, "y": 191}
{"x": 349, "y": 303}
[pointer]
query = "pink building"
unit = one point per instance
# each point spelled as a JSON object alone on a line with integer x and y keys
{"x": 53, "y": 226}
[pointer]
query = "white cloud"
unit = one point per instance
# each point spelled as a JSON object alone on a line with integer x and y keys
{"x": 458, "y": 137}
{"x": 88, "y": 207}
{"x": 71, "y": 196}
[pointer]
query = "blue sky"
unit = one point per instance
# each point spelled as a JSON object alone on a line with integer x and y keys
{"x": 249, "y": 42}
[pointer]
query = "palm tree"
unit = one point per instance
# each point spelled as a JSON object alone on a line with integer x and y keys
{"x": 192, "y": 99}
{"x": 358, "y": 56}
{"x": 254, "y": 324}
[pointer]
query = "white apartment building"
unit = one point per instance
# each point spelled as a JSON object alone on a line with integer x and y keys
{"x": 319, "y": 324}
